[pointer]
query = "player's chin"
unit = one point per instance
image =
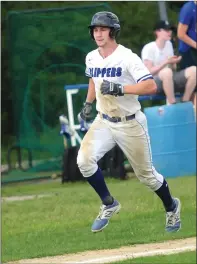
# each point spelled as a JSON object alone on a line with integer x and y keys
{"x": 100, "y": 43}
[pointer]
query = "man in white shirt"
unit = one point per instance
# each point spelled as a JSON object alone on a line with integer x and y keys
{"x": 116, "y": 77}
{"x": 159, "y": 58}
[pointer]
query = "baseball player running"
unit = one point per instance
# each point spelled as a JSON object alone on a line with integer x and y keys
{"x": 116, "y": 77}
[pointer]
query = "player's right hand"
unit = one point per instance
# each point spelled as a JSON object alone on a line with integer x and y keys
{"x": 86, "y": 112}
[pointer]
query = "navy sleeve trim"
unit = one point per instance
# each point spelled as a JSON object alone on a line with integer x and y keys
{"x": 145, "y": 77}
{"x": 88, "y": 75}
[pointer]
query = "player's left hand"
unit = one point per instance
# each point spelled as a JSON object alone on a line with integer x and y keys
{"x": 111, "y": 88}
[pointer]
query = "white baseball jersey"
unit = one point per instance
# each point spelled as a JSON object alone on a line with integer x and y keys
{"x": 122, "y": 66}
{"x": 151, "y": 52}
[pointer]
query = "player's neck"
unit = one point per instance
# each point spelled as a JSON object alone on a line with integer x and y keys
{"x": 108, "y": 49}
{"x": 160, "y": 43}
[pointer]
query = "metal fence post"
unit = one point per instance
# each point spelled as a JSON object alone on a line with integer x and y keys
{"x": 162, "y": 10}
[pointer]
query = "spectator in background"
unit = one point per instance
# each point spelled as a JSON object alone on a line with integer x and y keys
{"x": 159, "y": 58}
{"x": 186, "y": 33}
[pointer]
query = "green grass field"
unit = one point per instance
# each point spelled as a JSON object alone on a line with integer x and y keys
{"x": 61, "y": 223}
{"x": 181, "y": 258}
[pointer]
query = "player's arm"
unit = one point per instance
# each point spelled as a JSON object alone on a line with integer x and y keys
{"x": 184, "y": 21}
{"x": 145, "y": 83}
{"x": 91, "y": 95}
{"x": 147, "y": 86}
{"x": 142, "y": 88}
{"x": 182, "y": 35}
{"x": 86, "y": 112}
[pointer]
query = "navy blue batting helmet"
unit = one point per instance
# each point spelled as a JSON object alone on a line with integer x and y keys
{"x": 105, "y": 19}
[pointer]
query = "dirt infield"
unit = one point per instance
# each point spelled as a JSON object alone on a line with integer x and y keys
{"x": 123, "y": 253}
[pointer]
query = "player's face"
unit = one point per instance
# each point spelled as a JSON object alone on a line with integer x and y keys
{"x": 101, "y": 36}
{"x": 164, "y": 34}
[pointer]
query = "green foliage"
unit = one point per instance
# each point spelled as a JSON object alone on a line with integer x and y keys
{"x": 43, "y": 51}
{"x": 175, "y": 5}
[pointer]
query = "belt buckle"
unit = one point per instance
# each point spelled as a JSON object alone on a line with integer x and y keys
{"x": 115, "y": 119}
{"x": 123, "y": 119}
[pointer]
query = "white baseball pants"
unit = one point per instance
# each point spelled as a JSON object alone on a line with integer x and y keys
{"x": 131, "y": 136}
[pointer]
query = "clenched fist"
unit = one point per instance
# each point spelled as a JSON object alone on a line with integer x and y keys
{"x": 111, "y": 88}
{"x": 86, "y": 112}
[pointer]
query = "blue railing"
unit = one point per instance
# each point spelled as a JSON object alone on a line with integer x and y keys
{"x": 141, "y": 97}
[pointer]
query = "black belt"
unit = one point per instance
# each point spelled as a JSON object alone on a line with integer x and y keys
{"x": 116, "y": 119}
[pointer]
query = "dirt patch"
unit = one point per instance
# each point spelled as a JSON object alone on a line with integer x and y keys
{"x": 123, "y": 253}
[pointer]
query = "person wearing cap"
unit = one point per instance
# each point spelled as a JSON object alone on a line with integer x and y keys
{"x": 186, "y": 33}
{"x": 159, "y": 58}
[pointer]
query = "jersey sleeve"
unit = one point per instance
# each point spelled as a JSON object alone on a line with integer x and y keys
{"x": 147, "y": 53}
{"x": 185, "y": 15}
{"x": 137, "y": 69}
{"x": 88, "y": 68}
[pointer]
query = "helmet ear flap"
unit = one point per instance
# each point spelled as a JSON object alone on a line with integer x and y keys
{"x": 111, "y": 33}
{"x": 91, "y": 33}
{"x": 114, "y": 32}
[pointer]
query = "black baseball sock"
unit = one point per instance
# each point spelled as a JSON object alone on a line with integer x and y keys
{"x": 164, "y": 194}
{"x": 98, "y": 183}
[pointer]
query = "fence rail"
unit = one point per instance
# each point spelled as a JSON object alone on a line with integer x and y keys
{"x": 140, "y": 98}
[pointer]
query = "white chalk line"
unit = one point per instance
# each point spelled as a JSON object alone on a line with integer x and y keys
{"x": 123, "y": 253}
{"x": 24, "y": 197}
{"x": 136, "y": 255}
